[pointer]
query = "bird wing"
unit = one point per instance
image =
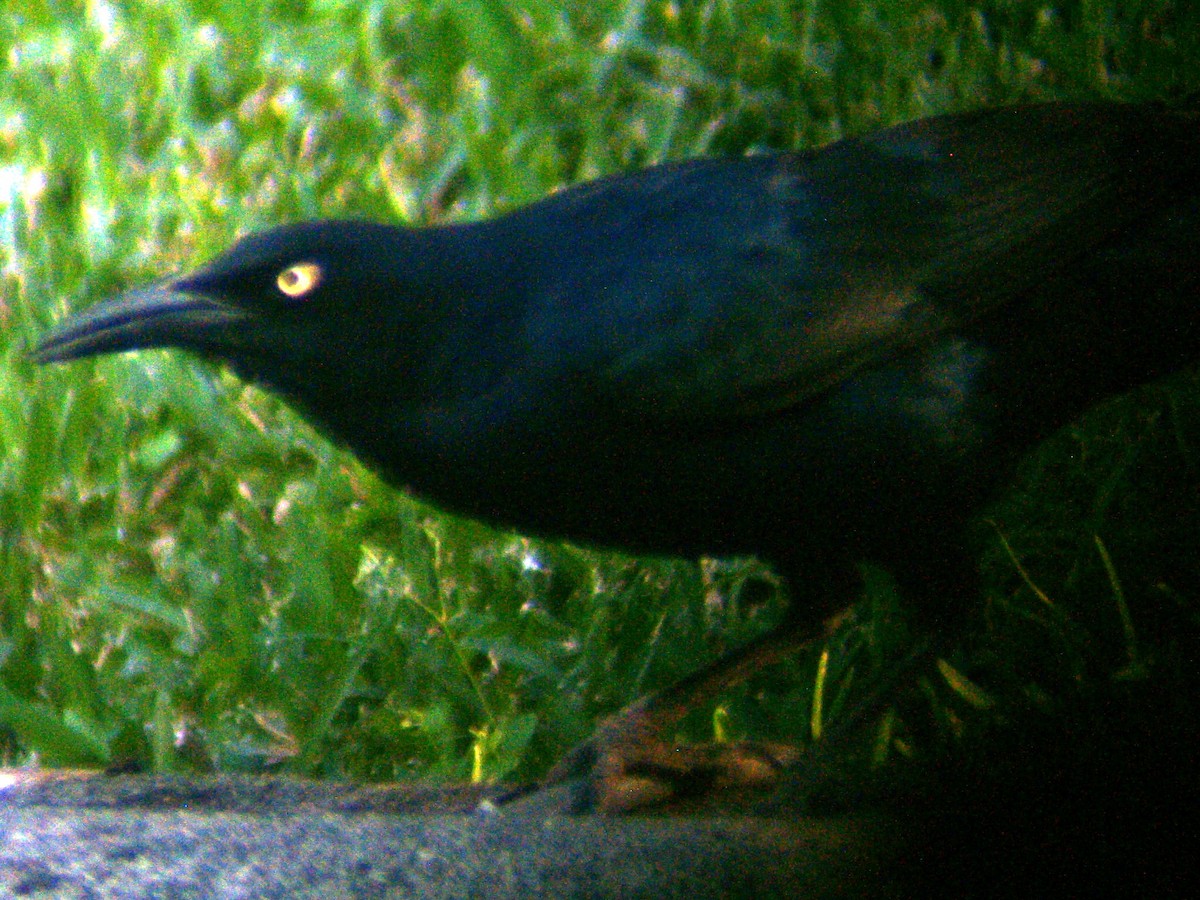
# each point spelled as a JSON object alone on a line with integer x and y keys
{"x": 774, "y": 279}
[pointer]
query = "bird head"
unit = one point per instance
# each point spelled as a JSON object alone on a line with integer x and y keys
{"x": 306, "y": 309}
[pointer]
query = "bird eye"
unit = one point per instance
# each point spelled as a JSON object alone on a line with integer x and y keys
{"x": 299, "y": 280}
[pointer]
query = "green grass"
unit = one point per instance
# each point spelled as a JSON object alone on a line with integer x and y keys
{"x": 191, "y": 577}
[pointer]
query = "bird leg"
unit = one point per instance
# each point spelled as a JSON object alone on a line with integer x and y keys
{"x": 626, "y": 764}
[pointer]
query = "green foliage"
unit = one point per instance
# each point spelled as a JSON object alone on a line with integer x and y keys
{"x": 189, "y": 576}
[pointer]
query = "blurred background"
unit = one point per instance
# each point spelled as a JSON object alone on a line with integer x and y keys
{"x": 191, "y": 579}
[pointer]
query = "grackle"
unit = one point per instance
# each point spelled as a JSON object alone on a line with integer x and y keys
{"x": 819, "y": 358}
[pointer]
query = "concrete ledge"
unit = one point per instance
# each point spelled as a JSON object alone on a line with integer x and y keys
{"x": 132, "y": 836}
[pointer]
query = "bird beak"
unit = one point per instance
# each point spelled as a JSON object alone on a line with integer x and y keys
{"x": 160, "y": 315}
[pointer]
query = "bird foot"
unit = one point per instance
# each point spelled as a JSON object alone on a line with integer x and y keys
{"x": 674, "y": 777}
{"x": 626, "y": 767}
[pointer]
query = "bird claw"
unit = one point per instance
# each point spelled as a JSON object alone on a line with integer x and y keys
{"x": 625, "y": 767}
{"x": 667, "y": 776}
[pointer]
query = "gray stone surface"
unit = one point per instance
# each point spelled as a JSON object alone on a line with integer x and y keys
{"x": 134, "y": 836}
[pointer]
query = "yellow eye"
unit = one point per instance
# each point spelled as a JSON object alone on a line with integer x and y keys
{"x": 299, "y": 280}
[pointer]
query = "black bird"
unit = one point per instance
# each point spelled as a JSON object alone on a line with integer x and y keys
{"x": 820, "y": 358}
